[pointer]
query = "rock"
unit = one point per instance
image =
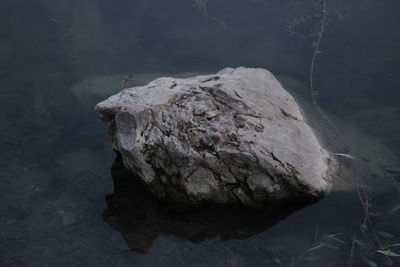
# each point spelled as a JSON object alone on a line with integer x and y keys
{"x": 235, "y": 136}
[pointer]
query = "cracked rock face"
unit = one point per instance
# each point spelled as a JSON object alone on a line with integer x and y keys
{"x": 235, "y": 136}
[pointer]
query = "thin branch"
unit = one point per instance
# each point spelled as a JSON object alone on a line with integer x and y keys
{"x": 361, "y": 192}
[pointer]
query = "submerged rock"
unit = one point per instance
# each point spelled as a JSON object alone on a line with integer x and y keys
{"x": 235, "y": 136}
{"x": 373, "y": 163}
{"x": 94, "y": 89}
{"x": 382, "y": 123}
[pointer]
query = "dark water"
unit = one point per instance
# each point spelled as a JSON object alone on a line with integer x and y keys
{"x": 62, "y": 202}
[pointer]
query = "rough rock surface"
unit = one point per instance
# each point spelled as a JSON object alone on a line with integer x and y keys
{"x": 235, "y": 136}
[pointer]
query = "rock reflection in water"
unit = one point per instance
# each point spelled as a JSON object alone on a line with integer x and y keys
{"x": 141, "y": 217}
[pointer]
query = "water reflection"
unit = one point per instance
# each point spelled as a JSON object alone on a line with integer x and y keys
{"x": 140, "y": 217}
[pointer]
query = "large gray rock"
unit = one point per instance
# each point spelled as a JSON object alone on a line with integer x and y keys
{"x": 235, "y": 136}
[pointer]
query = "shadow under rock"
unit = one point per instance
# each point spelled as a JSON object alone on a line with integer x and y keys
{"x": 140, "y": 216}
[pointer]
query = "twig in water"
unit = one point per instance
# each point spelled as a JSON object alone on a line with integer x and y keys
{"x": 362, "y": 193}
{"x": 201, "y": 5}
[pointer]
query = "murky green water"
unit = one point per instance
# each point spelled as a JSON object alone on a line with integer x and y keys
{"x": 62, "y": 202}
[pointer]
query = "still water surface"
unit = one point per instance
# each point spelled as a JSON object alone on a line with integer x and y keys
{"x": 64, "y": 201}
